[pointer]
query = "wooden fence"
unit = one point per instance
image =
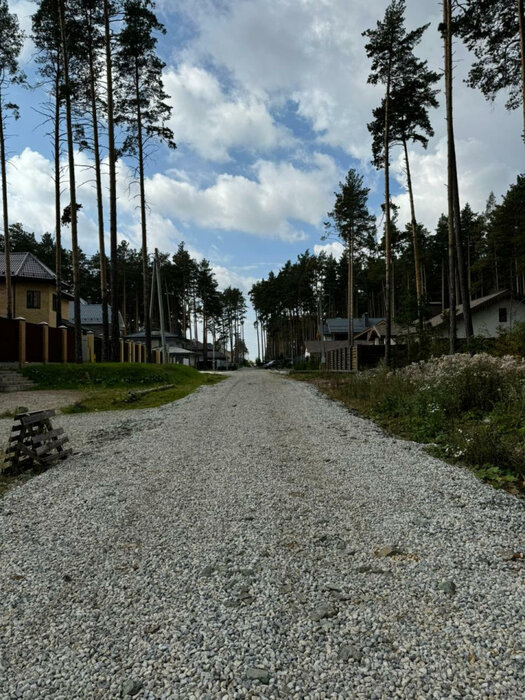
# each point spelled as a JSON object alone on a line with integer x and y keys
{"x": 361, "y": 357}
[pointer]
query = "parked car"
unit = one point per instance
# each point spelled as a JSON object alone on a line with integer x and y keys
{"x": 277, "y": 364}
{"x": 270, "y": 365}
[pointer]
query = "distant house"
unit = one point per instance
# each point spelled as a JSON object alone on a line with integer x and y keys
{"x": 376, "y": 334}
{"x": 315, "y": 348}
{"x": 91, "y": 317}
{"x": 34, "y": 290}
{"x": 181, "y": 356}
{"x": 491, "y": 313}
{"x": 367, "y": 331}
{"x": 217, "y": 356}
{"x": 337, "y": 328}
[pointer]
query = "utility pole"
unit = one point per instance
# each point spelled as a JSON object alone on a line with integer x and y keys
{"x": 161, "y": 307}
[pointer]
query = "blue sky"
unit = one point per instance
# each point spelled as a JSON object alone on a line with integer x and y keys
{"x": 270, "y": 104}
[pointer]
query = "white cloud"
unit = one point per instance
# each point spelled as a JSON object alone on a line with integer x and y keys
{"x": 313, "y": 53}
{"x": 24, "y": 9}
{"x": 212, "y": 122}
{"x": 336, "y": 249}
{"x": 227, "y": 277}
{"x": 267, "y": 206}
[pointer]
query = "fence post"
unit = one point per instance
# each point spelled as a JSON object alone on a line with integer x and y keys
{"x": 21, "y": 340}
{"x": 90, "y": 346}
{"x": 63, "y": 331}
{"x": 45, "y": 341}
{"x": 121, "y": 343}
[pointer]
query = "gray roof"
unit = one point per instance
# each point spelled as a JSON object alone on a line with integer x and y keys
{"x": 175, "y": 350}
{"x": 340, "y": 325}
{"x": 27, "y": 265}
{"x": 475, "y": 306}
{"x": 91, "y": 314}
{"x": 141, "y": 336}
{"x": 316, "y": 347}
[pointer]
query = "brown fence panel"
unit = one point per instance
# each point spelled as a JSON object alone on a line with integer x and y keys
{"x": 71, "y": 345}
{"x": 8, "y": 340}
{"x": 34, "y": 335}
{"x": 55, "y": 345}
{"x": 370, "y": 355}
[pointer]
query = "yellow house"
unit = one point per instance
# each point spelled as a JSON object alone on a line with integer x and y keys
{"x": 34, "y": 290}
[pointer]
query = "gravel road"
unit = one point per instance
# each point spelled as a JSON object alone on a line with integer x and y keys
{"x": 256, "y": 540}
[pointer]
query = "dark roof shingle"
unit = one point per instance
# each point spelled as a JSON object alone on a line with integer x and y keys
{"x": 27, "y": 265}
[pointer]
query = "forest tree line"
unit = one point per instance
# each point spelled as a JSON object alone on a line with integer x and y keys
{"x": 99, "y": 64}
{"x": 396, "y": 273}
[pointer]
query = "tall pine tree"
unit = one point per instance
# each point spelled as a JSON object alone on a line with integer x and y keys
{"x": 142, "y": 108}
{"x": 11, "y": 40}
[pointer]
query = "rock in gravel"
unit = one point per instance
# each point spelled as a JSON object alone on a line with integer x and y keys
{"x": 258, "y": 674}
{"x": 448, "y": 587}
{"x": 323, "y": 612}
{"x": 348, "y": 652}
{"x": 388, "y": 551}
{"x": 131, "y": 687}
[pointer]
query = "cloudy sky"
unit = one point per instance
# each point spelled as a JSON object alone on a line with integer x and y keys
{"x": 270, "y": 105}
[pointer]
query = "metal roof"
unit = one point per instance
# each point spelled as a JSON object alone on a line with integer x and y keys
{"x": 340, "y": 325}
{"x": 27, "y": 265}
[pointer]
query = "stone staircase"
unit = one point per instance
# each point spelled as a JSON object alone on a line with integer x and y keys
{"x": 12, "y": 380}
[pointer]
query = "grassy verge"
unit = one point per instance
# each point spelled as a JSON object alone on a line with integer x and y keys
{"x": 109, "y": 387}
{"x": 468, "y": 411}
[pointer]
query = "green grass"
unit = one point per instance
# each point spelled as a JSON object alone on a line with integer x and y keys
{"x": 108, "y": 387}
{"x": 473, "y": 421}
{"x": 107, "y": 375}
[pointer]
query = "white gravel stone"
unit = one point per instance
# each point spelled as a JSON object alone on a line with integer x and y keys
{"x": 182, "y": 546}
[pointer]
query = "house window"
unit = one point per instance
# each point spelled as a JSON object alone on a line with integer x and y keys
{"x": 55, "y": 302}
{"x": 503, "y": 315}
{"x": 33, "y": 300}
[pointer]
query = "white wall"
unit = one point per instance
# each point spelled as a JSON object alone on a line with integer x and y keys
{"x": 486, "y": 322}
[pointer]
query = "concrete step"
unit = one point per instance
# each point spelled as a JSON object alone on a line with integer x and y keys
{"x": 12, "y": 380}
{"x": 15, "y": 387}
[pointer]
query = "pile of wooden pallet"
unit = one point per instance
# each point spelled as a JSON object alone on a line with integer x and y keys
{"x": 34, "y": 443}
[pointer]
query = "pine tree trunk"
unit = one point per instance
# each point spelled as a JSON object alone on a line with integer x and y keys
{"x": 460, "y": 254}
{"x": 5, "y": 215}
{"x": 112, "y": 156}
{"x": 450, "y": 192}
{"x": 415, "y": 242}
{"x": 124, "y": 298}
{"x": 388, "y": 268}
{"x": 72, "y": 187}
{"x": 204, "y": 339}
{"x": 143, "y": 223}
{"x": 350, "y": 297}
{"x": 521, "y": 20}
{"x": 453, "y": 181}
{"x": 100, "y": 212}
{"x": 58, "y": 220}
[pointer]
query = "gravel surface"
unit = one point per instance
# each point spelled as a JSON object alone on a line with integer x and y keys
{"x": 256, "y": 540}
{"x": 38, "y": 400}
